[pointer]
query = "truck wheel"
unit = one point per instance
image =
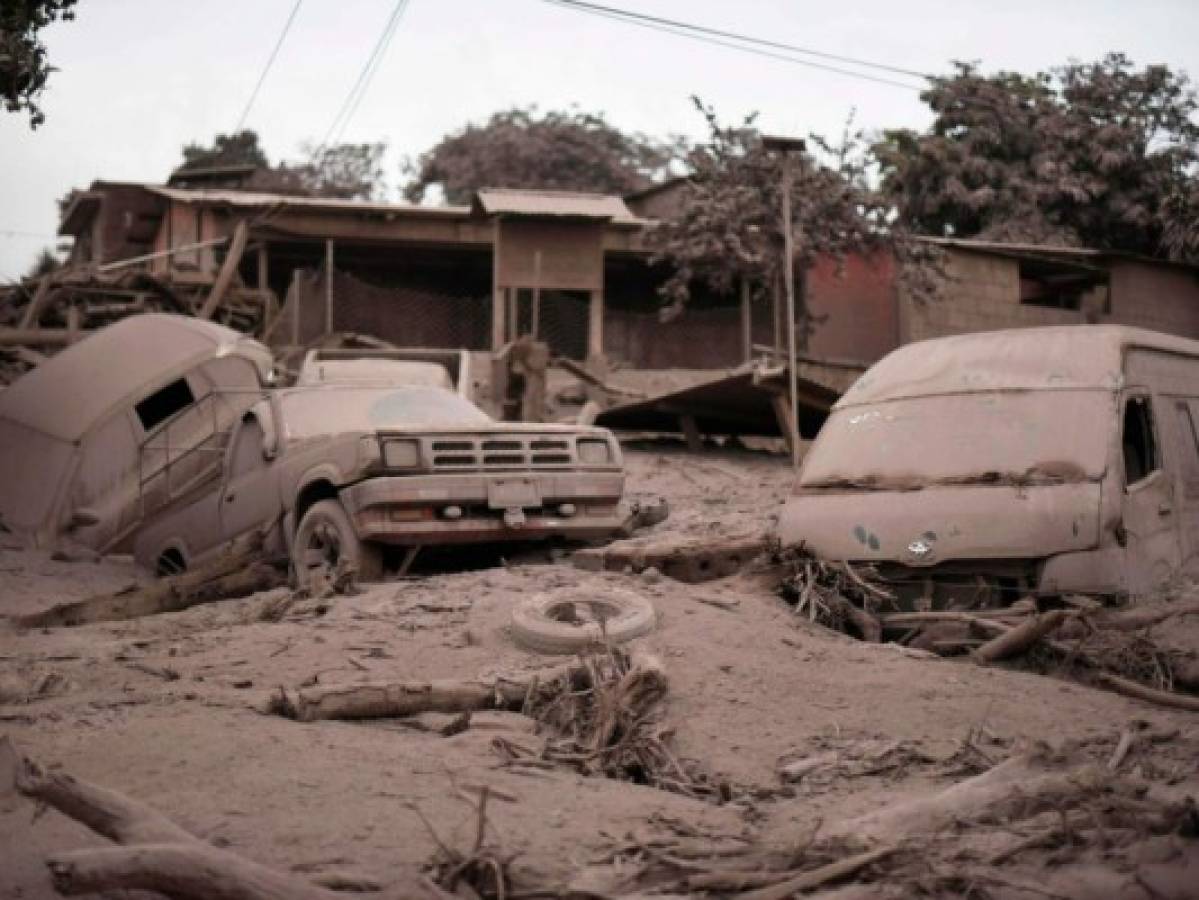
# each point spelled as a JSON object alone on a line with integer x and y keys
{"x": 566, "y": 624}
{"x": 325, "y": 541}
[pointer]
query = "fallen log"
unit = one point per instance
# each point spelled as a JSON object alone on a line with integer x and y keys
{"x": 1014, "y": 641}
{"x": 156, "y": 854}
{"x": 235, "y": 573}
{"x": 866, "y": 623}
{"x": 1137, "y": 618}
{"x": 1148, "y": 694}
{"x": 1020, "y": 778}
{"x": 690, "y": 560}
{"x": 401, "y": 699}
{"x": 806, "y": 881}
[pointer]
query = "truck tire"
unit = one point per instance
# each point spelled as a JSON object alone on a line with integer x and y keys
{"x": 324, "y": 539}
{"x": 553, "y": 623}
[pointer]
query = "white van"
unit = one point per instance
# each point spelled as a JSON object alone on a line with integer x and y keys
{"x": 121, "y": 425}
{"x": 983, "y": 466}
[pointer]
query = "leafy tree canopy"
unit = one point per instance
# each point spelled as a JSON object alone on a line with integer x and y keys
{"x": 1099, "y": 154}
{"x": 522, "y": 148}
{"x": 24, "y": 67}
{"x": 345, "y": 171}
{"x": 731, "y": 227}
{"x": 238, "y": 149}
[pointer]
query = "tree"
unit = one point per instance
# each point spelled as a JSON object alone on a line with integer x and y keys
{"x": 730, "y": 229}
{"x": 238, "y": 149}
{"x": 1098, "y": 154}
{"x": 520, "y": 148}
{"x": 24, "y": 68}
{"x": 347, "y": 171}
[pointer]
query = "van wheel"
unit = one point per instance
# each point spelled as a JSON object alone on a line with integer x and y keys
{"x": 171, "y": 562}
{"x": 326, "y": 544}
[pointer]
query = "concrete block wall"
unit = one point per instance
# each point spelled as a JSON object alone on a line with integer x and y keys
{"x": 1155, "y": 296}
{"x": 982, "y": 293}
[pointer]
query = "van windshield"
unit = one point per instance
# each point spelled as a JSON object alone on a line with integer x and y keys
{"x": 333, "y": 410}
{"x": 1037, "y": 437}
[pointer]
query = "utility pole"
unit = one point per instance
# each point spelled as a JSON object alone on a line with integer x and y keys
{"x": 785, "y": 146}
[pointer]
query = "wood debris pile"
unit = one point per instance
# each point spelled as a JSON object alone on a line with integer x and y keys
{"x": 1072, "y": 635}
{"x": 1100, "y": 833}
{"x": 607, "y": 720}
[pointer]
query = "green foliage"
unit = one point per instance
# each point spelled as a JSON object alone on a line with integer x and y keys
{"x": 1098, "y": 154}
{"x": 24, "y": 67}
{"x": 520, "y": 148}
{"x": 347, "y": 171}
{"x": 731, "y": 227}
{"x": 239, "y": 149}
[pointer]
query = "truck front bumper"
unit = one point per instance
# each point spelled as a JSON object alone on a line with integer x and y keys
{"x": 517, "y": 506}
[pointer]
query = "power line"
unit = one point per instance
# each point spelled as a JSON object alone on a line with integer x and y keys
{"x": 371, "y": 74}
{"x": 265, "y": 69}
{"x": 745, "y": 42}
{"x": 16, "y": 232}
{"x": 354, "y": 97}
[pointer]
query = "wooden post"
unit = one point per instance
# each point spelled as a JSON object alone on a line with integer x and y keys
{"x": 294, "y": 294}
{"x": 498, "y": 311}
{"x": 227, "y": 272}
{"x": 263, "y": 272}
{"x": 329, "y": 286}
{"x": 747, "y": 336}
{"x": 536, "y": 324}
{"x": 789, "y": 283}
{"x": 73, "y": 323}
{"x": 33, "y": 312}
{"x": 513, "y": 309}
{"x": 595, "y": 325}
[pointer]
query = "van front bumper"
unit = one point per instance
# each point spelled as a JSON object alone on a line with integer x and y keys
{"x": 515, "y": 506}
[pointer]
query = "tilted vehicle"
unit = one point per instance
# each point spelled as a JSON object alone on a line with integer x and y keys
{"x": 105, "y": 434}
{"x": 337, "y": 472}
{"x": 979, "y": 467}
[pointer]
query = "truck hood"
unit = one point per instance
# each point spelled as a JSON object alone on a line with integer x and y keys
{"x": 940, "y": 523}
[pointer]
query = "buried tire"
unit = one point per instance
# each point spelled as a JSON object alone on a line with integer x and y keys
{"x": 568, "y": 623}
{"x": 326, "y": 544}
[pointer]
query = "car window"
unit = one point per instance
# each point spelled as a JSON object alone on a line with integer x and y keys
{"x": 247, "y": 448}
{"x": 1141, "y": 457}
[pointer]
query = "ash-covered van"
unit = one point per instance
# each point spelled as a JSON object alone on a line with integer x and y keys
{"x": 121, "y": 425}
{"x": 983, "y": 466}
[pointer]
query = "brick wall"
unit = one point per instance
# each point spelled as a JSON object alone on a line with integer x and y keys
{"x": 857, "y": 300}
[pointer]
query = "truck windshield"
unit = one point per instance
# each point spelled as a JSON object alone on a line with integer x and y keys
{"x": 978, "y": 438}
{"x": 333, "y": 410}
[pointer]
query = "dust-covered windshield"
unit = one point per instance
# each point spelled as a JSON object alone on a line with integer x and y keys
{"x": 977, "y": 438}
{"x": 333, "y": 410}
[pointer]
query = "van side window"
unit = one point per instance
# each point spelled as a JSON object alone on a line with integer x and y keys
{"x": 1140, "y": 447}
{"x": 164, "y": 403}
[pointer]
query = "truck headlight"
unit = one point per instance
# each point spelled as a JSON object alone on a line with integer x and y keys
{"x": 594, "y": 452}
{"x": 401, "y": 454}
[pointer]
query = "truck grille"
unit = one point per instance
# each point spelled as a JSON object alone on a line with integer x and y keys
{"x": 501, "y": 452}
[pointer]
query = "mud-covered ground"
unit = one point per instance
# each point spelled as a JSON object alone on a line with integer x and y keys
{"x": 170, "y": 710}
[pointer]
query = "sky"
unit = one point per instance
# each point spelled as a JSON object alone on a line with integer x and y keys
{"x": 138, "y": 79}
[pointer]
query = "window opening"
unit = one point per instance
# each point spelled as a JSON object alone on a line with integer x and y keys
{"x": 1140, "y": 448}
{"x": 164, "y": 403}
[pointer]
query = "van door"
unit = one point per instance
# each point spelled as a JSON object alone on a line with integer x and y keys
{"x": 1186, "y": 416}
{"x": 1152, "y": 552}
{"x": 249, "y": 495}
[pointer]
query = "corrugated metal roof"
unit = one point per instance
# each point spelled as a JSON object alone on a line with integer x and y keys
{"x": 553, "y": 204}
{"x": 258, "y": 199}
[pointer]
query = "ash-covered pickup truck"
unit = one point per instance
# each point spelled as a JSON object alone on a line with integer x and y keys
{"x": 337, "y": 472}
